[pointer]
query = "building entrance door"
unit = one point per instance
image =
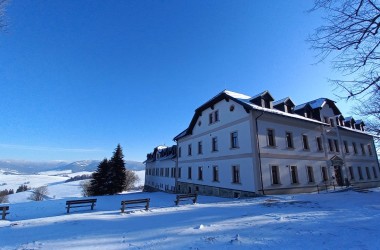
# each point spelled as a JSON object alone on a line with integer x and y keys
{"x": 338, "y": 175}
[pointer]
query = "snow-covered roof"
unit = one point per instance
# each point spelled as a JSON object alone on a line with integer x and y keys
{"x": 244, "y": 100}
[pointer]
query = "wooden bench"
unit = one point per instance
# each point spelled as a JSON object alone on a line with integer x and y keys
{"x": 4, "y": 210}
{"x": 126, "y": 204}
{"x": 183, "y": 197}
{"x": 80, "y": 203}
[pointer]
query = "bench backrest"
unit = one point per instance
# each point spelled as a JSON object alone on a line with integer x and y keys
{"x": 179, "y": 196}
{"x": 4, "y": 207}
{"x": 135, "y": 201}
{"x": 81, "y": 201}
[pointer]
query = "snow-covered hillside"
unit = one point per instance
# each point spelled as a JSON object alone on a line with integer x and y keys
{"x": 33, "y": 167}
{"x": 341, "y": 220}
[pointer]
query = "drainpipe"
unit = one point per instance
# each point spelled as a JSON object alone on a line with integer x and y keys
{"x": 258, "y": 151}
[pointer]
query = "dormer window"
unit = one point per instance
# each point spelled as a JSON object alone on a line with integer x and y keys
{"x": 267, "y": 104}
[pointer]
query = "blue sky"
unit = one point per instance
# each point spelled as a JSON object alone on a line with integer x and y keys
{"x": 79, "y": 77}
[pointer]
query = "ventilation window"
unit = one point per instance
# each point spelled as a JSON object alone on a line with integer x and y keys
{"x": 232, "y": 107}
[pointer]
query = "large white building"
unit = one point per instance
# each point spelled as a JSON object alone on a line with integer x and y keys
{"x": 238, "y": 145}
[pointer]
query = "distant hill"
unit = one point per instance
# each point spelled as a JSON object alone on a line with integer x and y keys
{"x": 30, "y": 167}
{"x": 91, "y": 165}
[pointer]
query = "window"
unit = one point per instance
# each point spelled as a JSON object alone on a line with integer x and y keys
{"x": 332, "y": 122}
{"x": 234, "y": 140}
{"x": 325, "y": 177}
{"x": 267, "y": 104}
{"x": 310, "y": 174}
{"x": 305, "y": 142}
{"x": 294, "y": 175}
{"x": 213, "y": 117}
{"x": 166, "y": 172}
{"x": 331, "y": 146}
{"x": 189, "y": 149}
{"x": 347, "y": 151}
{"x": 200, "y": 173}
{"x": 275, "y": 175}
{"x": 161, "y": 172}
{"x": 179, "y": 172}
{"x": 200, "y": 149}
{"x": 172, "y": 173}
{"x": 362, "y": 148}
{"x": 235, "y": 174}
{"x": 368, "y": 173}
{"x": 360, "y": 173}
{"x": 355, "y": 149}
{"x": 271, "y": 140}
{"x": 216, "y": 115}
{"x": 319, "y": 144}
{"x": 326, "y": 120}
{"x": 189, "y": 173}
{"x": 336, "y": 145}
{"x": 214, "y": 144}
{"x": 369, "y": 149}
{"x": 374, "y": 172}
{"x": 215, "y": 173}
{"x": 351, "y": 173}
{"x": 289, "y": 140}
{"x": 179, "y": 151}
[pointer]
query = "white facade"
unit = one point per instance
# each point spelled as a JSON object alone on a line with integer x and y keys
{"x": 237, "y": 145}
{"x": 160, "y": 169}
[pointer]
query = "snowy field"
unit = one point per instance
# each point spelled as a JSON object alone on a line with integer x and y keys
{"x": 342, "y": 220}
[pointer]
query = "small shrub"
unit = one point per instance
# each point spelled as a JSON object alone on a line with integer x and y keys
{"x": 38, "y": 194}
{"x": 85, "y": 188}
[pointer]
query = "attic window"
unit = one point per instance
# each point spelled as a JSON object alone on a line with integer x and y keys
{"x": 232, "y": 107}
{"x": 199, "y": 123}
{"x": 267, "y": 104}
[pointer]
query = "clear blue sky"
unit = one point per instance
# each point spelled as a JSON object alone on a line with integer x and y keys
{"x": 79, "y": 77}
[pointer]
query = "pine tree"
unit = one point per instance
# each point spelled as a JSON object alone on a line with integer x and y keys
{"x": 117, "y": 174}
{"x": 99, "y": 182}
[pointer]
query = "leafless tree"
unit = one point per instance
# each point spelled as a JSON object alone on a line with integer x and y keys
{"x": 85, "y": 188}
{"x": 350, "y": 37}
{"x": 131, "y": 179}
{"x": 3, "y": 4}
{"x": 38, "y": 194}
{"x": 4, "y": 199}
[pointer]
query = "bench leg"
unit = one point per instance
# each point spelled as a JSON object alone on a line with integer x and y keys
{"x": 147, "y": 206}
{"x": 68, "y": 208}
{"x": 123, "y": 208}
{"x": 3, "y": 215}
{"x": 92, "y": 206}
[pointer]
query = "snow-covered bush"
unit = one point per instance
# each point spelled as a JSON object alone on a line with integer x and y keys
{"x": 38, "y": 194}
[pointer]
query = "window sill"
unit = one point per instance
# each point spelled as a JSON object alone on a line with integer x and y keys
{"x": 214, "y": 151}
{"x": 276, "y": 185}
{"x": 290, "y": 148}
{"x": 232, "y": 148}
{"x": 236, "y": 183}
{"x": 307, "y": 150}
{"x": 271, "y": 147}
{"x": 215, "y": 181}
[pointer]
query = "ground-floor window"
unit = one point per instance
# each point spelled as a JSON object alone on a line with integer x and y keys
{"x": 325, "y": 177}
{"x": 368, "y": 173}
{"x": 351, "y": 173}
{"x": 235, "y": 174}
{"x": 360, "y": 173}
{"x": 294, "y": 174}
{"x": 374, "y": 172}
{"x": 310, "y": 173}
{"x": 275, "y": 175}
{"x": 215, "y": 173}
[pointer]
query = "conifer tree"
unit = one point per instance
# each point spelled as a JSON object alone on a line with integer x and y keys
{"x": 117, "y": 173}
{"x": 99, "y": 182}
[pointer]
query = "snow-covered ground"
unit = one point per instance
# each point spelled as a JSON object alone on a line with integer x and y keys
{"x": 341, "y": 220}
